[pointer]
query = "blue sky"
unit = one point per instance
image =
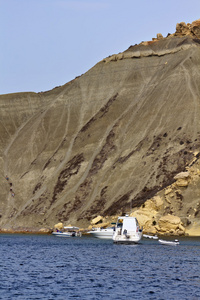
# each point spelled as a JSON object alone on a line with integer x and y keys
{"x": 46, "y": 43}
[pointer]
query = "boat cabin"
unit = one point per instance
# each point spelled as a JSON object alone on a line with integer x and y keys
{"x": 128, "y": 224}
{"x": 127, "y": 230}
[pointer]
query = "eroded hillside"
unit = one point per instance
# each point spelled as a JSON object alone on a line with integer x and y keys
{"x": 105, "y": 142}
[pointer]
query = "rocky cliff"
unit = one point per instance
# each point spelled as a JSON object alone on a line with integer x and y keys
{"x": 110, "y": 141}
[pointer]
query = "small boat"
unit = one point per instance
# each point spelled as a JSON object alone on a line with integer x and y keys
{"x": 102, "y": 233}
{"x": 127, "y": 230}
{"x": 154, "y": 237}
{"x": 68, "y": 231}
{"x": 164, "y": 242}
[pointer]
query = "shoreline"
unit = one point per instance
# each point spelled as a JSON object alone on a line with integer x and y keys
{"x": 48, "y": 231}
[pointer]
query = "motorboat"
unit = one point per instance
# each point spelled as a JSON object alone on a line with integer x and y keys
{"x": 68, "y": 231}
{"x": 164, "y": 242}
{"x": 102, "y": 233}
{"x": 63, "y": 234}
{"x": 154, "y": 237}
{"x": 127, "y": 230}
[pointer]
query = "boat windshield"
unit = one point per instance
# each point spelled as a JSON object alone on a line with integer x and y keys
{"x": 119, "y": 223}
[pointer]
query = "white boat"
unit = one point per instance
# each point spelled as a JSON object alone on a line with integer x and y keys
{"x": 164, "y": 242}
{"x": 63, "y": 234}
{"x": 154, "y": 237}
{"x": 127, "y": 230}
{"x": 68, "y": 231}
{"x": 102, "y": 233}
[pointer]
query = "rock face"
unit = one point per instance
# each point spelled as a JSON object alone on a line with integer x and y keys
{"x": 189, "y": 29}
{"x": 59, "y": 226}
{"x": 171, "y": 224}
{"x": 175, "y": 209}
{"x": 96, "y": 220}
{"x": 107, "y": 141}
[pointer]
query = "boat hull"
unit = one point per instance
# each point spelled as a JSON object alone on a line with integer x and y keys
{"x": 63, "y": 234}
{"x": 102, "y": 234}
{"x": 163, "y": 242}
{"x": 67, "y": 234}
{"x": 126, "y": 242}
{"x": 123, "y": 239}
{"x": 154, "y": 237}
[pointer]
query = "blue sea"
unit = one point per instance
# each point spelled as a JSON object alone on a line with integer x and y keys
{"x": 50, "y": 267}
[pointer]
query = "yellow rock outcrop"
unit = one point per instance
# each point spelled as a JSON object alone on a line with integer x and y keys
{"x": 182, "y": 179}
{"x": 58, "y": 226}
{"x": 147, "y": 213}
{"x": 96, "y": 220}
{"x": 170, "y": 224}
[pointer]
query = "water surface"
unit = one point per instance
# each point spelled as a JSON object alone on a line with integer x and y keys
{"x": 49, "y": 267}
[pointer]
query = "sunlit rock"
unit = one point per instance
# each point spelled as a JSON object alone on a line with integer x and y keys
{"x": 97, "y": 220}
{"x": 169, "y": 222}
{"x": 59, "y": 226}
{"x": 45, "y": 230}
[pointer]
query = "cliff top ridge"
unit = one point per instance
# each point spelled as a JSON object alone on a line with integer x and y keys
{"x": 183, "y": 29}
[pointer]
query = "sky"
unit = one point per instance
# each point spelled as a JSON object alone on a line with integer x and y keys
{"x": 47, "y": 43}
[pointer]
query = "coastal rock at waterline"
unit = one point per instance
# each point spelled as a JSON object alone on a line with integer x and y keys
{"x": 171, "y": 223}
{"x": 102, "y": 225}
{"x": 90, "y": 227}
{"x": 45, "y": 230}
{"x": 58, "y": 226}
{"x": 144, "y": 218}
{"x": 147, "y": 213}
{"x": 194, "y": 230}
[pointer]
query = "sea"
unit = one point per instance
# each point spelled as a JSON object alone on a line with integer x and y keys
{"x": 50, "y": 267}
